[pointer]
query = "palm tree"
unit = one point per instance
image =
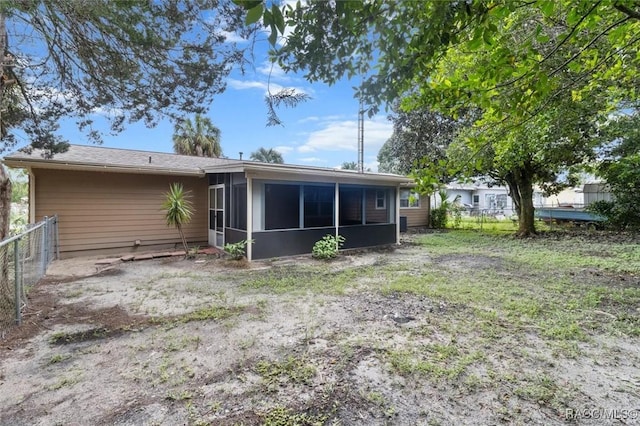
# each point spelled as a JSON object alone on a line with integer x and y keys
{"x": 178, "y": 210}
{"x": 349, "y": 165}
{"x": 267, "y": 156}
{"x": 200, "y": 138}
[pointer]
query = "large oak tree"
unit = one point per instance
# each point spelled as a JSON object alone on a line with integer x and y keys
{"x": 119, "y": 61}
{"x": 519, "y": 63}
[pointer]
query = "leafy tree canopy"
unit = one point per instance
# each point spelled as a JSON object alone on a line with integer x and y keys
{"x": 542, "y": 74}
{"x": 401, "y": 46}
{"x": 349, "y": 165}
{"x": 265, "y": 155}
{"x": 352, "y": 165}
{"x": 127, "y": 61}
{"x": 198, "y": 137}
{"x": 420, "y": 137}
{"x": 620, "y": 168}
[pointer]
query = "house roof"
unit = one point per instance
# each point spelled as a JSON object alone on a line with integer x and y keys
{"x": 82, "y": 157}
{"x": 95, "y": 158}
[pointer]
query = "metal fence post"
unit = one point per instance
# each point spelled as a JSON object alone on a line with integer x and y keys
{"x": 57, "y": 236}
{"x": 18, "y": 281}
{"x": 44, "y": 246}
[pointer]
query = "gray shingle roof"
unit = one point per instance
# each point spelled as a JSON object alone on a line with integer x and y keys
{"x": 82, "y": 155}
{"x": 87, "y": 157}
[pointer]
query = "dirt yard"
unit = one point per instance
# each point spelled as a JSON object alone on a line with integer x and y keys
{"x": 445, "y": 329}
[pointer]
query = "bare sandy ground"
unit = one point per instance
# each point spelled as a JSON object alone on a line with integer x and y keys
{"x": 187, "y": 342}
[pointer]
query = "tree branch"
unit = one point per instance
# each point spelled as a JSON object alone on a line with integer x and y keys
{"x": 627, "y": 11}
{"x": 591, "y": 43}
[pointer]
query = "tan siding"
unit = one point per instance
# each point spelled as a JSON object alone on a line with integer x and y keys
{"x": 374, "y": 214}
{"x": 110, "y": 211}
{"x": 417, "y": 216}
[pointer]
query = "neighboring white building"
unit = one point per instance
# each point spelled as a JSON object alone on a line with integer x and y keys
{"x": 478, "y": 197}
{"x": 577, "y": 197}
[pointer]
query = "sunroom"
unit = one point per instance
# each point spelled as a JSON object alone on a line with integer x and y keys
{"x": 283, "y": 210}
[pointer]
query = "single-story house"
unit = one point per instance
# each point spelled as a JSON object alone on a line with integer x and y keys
{"x": 479, "y": 197}
{"x": 110, "y": 201}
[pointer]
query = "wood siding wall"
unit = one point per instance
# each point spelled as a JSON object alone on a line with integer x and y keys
{"x": 374, "y": 214}
{"x": 417, "y": 216}
{"x": 102, "y": 212}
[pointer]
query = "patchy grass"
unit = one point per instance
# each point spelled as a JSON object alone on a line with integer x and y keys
{"x": 538, "y": 283}
{"x": 305, "y": 279}
{"x": 212, "y": 312}
{"x": 280, "y": 416}
{"x": 295, "y": 370}
{"x": 435, "y": 361}
{"x": 525, "y": 328}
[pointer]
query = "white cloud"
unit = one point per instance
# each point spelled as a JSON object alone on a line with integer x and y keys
{"x": 284, "y": 149}
{"x": 261, "y": 85}
{"x": 273, "y": 70}
{"x": 315, "y": 118}
{"x": 309, "y": 119}
{"x": 312, "y": 160}
{"x": 247, "y": 84}
{"x": 343, "y": 136}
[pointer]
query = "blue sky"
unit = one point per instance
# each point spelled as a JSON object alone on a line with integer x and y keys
{"x": 319, "y": 132}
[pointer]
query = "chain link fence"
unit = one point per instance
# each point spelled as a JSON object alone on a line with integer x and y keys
{"x": 23, "y": 261}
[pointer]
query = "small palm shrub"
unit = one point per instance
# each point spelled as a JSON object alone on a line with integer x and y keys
{"x": 178, "y": 210}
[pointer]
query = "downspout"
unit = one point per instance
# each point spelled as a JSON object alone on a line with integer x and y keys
{"x": 398, "y": 214}
{"x": 336, "y": 209}
{"x": 249, "y": 218}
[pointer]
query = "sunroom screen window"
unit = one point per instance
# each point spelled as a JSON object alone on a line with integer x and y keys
{"x": 350, "y": 206}
{"x": 281, "y": 206}
{"x": 318, "y": 206}
{"x": 239, "y": 220}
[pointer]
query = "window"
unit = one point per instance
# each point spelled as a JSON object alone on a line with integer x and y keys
{"x": 381, "y": 199}
{"x": 350, "y": 206}
{"x": 318, "y": 206}
{"x": 409, "y": 199}
{"x": 501, "y": 201}
{"x": 476, "y": 200}
{"x": 239, "y": 218}
{"x": 281, "y": 206}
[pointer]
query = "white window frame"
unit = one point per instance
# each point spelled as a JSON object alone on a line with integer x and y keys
{"x": 383, "y": 198}
{"x": 410, "y": 205}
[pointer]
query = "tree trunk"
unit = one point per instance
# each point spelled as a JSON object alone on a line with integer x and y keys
{"x": 184, "y": 240}
{"x": 5, "y": 203}
{"x": 6, "y": 287}
{"x": 521, "y": 188}
{"x": 526, "y": 224}
{"x": 5, "y": 183}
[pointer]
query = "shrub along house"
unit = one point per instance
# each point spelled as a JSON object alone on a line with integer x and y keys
{"x": 109, "y": 201}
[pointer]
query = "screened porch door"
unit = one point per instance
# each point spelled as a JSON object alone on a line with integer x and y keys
{"x": 216, "y": 216}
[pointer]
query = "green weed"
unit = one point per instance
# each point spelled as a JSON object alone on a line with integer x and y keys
{"x": 296, "y": 370}
{"x": 282, "y": 416}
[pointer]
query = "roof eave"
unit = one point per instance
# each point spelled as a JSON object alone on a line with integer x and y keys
{"x": 57, "y": 165}
{"x": 257, "y": 169}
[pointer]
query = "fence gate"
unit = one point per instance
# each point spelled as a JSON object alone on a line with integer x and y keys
{"x": 23, "y": 261}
